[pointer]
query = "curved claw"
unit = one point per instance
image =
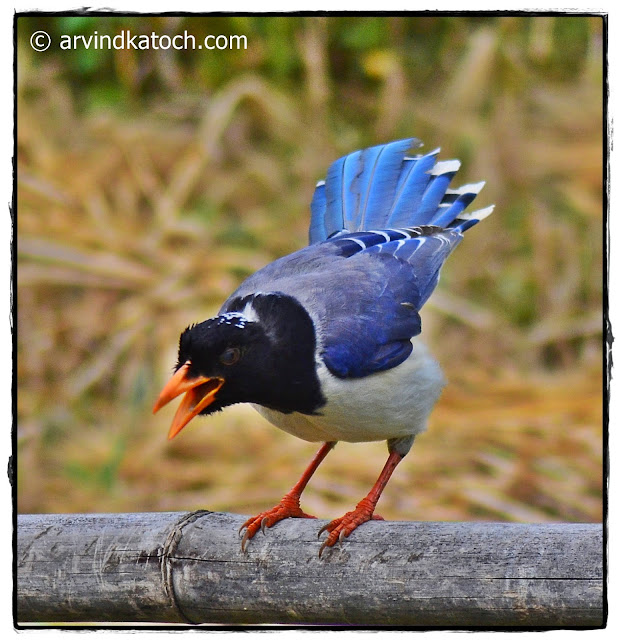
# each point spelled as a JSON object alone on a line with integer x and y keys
{"x": 331, "y": 540}
{"x": 340, "y": 528}
{"x": 245, "y": 540}
{"x": 263, "y": 524}
{"x": 251, "y": 527}
{"x": 287, "y": 508}
{"x": 322, "y": 548}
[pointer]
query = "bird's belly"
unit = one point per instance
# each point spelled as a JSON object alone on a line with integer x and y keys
{"x": 390, "y": 404}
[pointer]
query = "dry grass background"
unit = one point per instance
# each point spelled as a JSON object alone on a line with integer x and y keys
{"x": 149, "y": 185}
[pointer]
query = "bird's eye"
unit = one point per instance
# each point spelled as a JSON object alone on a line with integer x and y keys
{"x": 230, "y": 356}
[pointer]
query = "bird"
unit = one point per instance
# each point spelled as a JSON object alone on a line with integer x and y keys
{"x": 325, "y": 342}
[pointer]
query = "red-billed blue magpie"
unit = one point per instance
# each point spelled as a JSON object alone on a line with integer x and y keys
{"x": 324, "y": 342}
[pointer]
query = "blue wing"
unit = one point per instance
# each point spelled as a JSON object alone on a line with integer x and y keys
{"x": 383, "y": 223}
{"x": 374, "y": 333}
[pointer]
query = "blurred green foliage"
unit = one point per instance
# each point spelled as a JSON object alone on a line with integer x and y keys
{"x": 427, "y": 47}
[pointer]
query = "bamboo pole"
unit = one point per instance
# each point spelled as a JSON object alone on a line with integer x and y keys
{"x": 189, "y": 568}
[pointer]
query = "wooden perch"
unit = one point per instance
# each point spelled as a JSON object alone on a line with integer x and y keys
{"x": 188, "y": 568}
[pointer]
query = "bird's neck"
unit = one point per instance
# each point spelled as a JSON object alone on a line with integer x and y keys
{"x": 289, "y": 380}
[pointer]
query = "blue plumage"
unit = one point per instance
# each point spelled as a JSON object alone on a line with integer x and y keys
{"x": 381, "y": 187}
{"x": 366, "y": 197}
{"x": 377, "y": 183}
{"x": 360, "y": 188}
{"x": 382, "y": 225}
{"x": 318, "y": 206}
{"x": 413, "y": 180}
{"x": 321, "y": 341}
{"x": 433, "y": 196}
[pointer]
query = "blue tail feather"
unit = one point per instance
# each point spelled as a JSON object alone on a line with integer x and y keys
{"x": 433, "y": 196}
{"x": 447, "y": 213}
{"x": 414, "y": 179}
{"x": 378, "y": 180}
{"x": 467, "y": 220}
{"x": 458, "y": 201}
{"x": 317, "y": 220}
{"x": 383, "y": 188}
{"x": 350, "y": 199}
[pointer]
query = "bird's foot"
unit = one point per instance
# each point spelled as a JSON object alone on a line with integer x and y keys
{"x": 340, "y": 528}
{"x": 288, "y": 507}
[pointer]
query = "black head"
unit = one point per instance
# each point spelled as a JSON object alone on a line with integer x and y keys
{"x": 216, "y": 346}
{"x": 265, "y": 356}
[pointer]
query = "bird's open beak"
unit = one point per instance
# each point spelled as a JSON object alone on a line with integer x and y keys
{"x": 199, "y": 392}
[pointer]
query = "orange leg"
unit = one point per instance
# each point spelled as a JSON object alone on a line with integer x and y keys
{"x": 340, "y": 528}
{"x": 289, "y": 505}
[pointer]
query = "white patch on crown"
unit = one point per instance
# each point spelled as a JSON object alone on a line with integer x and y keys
{"x": 234, "y": 318}
{"x": 241, "y": 318}
{"x": 249, "y": 312}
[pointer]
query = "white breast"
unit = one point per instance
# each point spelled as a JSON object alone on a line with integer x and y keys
{"x": 389, "y": 404}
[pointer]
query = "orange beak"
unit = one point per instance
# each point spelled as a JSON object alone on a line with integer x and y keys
{"x": 199, "y": 393}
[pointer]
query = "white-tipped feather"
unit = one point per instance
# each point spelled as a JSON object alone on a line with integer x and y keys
{"x": 474, "y": 187}
{"x": 480, "y": 214}
{"x": 445, "y": 166}
{"x": 359, "y": 242}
